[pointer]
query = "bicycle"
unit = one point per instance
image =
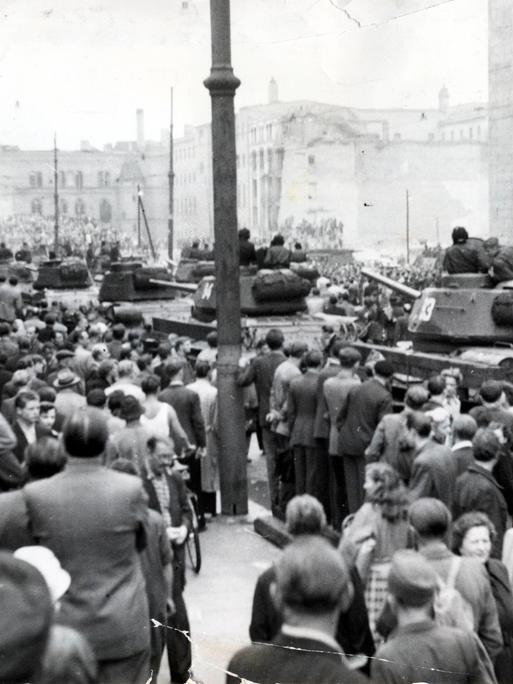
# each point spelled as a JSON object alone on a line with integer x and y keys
{"x": 192, "y": 542}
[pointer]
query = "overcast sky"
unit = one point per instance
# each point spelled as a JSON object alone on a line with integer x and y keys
{"x": 82, "y": 67}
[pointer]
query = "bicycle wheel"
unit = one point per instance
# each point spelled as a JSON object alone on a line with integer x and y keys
{"x": 193, "y": 542}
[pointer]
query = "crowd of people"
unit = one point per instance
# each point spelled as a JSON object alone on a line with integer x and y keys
{"x": 82, "y": 237}
{"x": 100, "y": 429}
{"x": 400, "y": 559}
{"x": 421, "y": 498}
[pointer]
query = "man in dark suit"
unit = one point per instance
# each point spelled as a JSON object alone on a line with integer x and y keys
{"x": 312, "y": 587}
{"x": 26, "y": 427}
{"x": 186, "y": 403}
{"x": 464, "y": 428}
{"x": 478, "y": 490}
{"x": 301, "y": 410}
{"x": 363, "y": 408}
{"x": 167, "y": 495}
{"x": 261, "y": 372}
{"x": 433, "y": 470}
{"x": 247, "y": 253}
{"x": 305, "y": 516}
{"x": 322, "y": 423}
{"x": 93, "y": 520}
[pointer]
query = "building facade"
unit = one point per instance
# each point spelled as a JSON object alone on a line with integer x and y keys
{"x": 501, "y": 117}
{"x": 297, "y": 162}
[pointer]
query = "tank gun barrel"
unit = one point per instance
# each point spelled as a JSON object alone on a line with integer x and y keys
{"x": 184, "y": 287}
{"x": 409, "y": 292}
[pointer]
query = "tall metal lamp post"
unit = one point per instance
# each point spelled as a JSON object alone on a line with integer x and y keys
{"x": 222, "y": 84}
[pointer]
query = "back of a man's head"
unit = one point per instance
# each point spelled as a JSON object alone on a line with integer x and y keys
{"x": 173, "y": 368}
{"x": 311, "y": 577}
{"x": 416, "y": 397}
{"x": 304, "y": 515}
{"x": 85, "y": 433}
{"x": 436, "y": 385}
{"x": 420, "y": 423}
{"x": 490, "y": 391}
{"x": 430, "y": 518}
{"x": 349, "y": 357}
{"x": 45, "y": 458}
{"x": 274, "y": 339}
{"x": 464, "y": 427}
{"x": 486, "y": 445}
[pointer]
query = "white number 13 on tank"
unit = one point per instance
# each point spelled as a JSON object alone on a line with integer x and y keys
{"x": 427, "y": 309}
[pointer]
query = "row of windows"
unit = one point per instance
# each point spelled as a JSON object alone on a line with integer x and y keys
{"x": 187, "y": 206}
{"x": 184, "y": 178}
{"x": 464, "y": 134}
{"x": 261, "y": 133}
{"x": 69, "y": 179}
{"x": 185, "y": 153}
{"x": 79, "y": 207}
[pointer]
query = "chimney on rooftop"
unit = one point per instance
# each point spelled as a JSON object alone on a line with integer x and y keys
{"x": 140, "y": 128}
{"x": 273, "y": 92}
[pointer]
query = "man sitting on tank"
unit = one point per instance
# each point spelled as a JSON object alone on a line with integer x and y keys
{"x": 277, "y": 256}
{"x": 192, "y": 252}
{"x": 501, "y": 259}
{"x": 298, "y": 254}
{"x": 247, "y": 253}
{"x": 464, "y": 256}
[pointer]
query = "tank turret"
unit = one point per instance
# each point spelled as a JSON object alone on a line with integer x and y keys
{"x": 467, "y": 310}
{"x": 62, "y": 274}
{"x": 130, "y": 281}
{"x": 265, "y": 293}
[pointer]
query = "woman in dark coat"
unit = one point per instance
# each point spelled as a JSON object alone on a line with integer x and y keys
{"x": 473, "y": 535}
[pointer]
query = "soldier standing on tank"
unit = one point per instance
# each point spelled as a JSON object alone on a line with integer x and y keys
{"x": 463, "y": 256}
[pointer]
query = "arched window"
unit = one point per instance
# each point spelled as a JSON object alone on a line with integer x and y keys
{"x": 106, "y": 178}
{"x": 79, "y": 180}
{"x": 36, "y": 206}
{"x": 79, "y": 207}
{"x": 105, "y": 211}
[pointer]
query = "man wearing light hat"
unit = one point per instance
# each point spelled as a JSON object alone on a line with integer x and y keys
{"x": 68, "y": 399}
{"x": 419, "y": 650}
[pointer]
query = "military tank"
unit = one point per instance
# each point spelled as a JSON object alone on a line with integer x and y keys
{"x": 131, "y": 281}
{"x": 465, "y": 323}
{"x": 65, "y": 281}
{"x": 269, "y": 299}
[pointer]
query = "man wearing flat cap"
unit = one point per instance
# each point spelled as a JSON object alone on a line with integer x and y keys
{"x": 420, "y": 650}
{"x": 464, "y": 256}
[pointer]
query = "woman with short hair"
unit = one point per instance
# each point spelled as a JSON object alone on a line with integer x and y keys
{"x": 473, "y": 534}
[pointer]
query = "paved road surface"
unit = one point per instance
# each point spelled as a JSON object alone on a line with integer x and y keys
{"x": 219, "y": 598}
